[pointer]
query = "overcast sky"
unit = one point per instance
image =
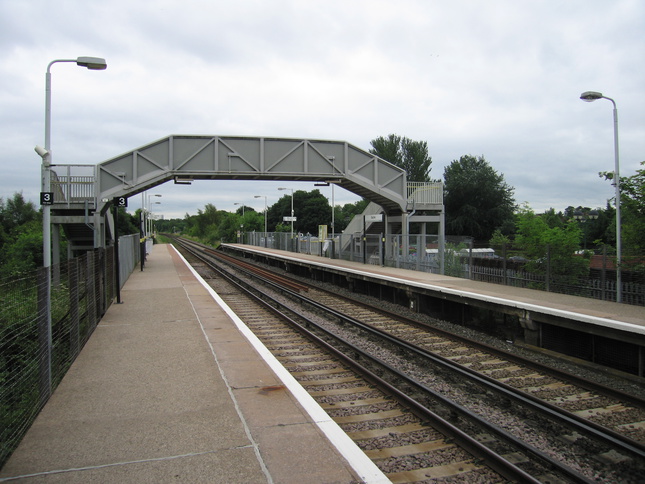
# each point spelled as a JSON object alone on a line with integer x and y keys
{"x": 497, "y": 78}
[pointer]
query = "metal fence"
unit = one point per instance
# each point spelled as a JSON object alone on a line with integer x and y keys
{"x": 33, "y": 358}
{"x": 129, "y": 256}
{"x": 456, "y": 256}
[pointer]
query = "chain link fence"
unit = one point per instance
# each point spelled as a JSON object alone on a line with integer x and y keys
{"x": 587, "y": 275}
{"x": 35, "y": 358}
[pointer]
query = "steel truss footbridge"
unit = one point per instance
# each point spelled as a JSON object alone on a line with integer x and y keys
{"x": 83, "y": 194}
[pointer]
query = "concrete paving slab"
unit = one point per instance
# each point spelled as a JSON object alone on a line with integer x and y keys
{"x": 211, "y": 467}
{"x": 302, "y": 453}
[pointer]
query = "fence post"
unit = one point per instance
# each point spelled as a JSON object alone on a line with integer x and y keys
{"x": 142, "y": 240}
{"x": 470, "y": 259}
{"x": 603, "y": 274}
{"x": 548, "y": 268}
{"x": 74, "y": 331}
{"x": 504, "y": 263}
{"x": 89, "y": 292}
{"x": 44, "y": 337}
{"x": 364, "y": 242}
{"x": 399, "y": 244}
{"x": 117, "y": 260}
{"x": 101, "y": 282}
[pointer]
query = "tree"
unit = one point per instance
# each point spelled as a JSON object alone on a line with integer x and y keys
{"x": 128, "y": 224}
{"x": 558, "y": 244}
{"x": 203, "y": 222}
{"x": 21, "y": 241}
{"x": 172, "y": 225}
{"x": 633, "y": 211}
{"x": 16, "y": 211}
{"x": 346, "y": 213}
{"x": 477, "y": 199}
{"x": 311, "y": 209}
{"x": 410, "y": 155}
{"x": 24, "y": 252}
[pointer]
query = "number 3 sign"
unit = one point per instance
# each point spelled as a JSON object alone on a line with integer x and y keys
{"x": 46, "y": 198}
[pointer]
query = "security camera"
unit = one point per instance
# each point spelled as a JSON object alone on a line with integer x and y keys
{"x": 42, "y": 152}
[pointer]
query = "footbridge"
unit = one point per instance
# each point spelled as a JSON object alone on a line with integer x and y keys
{"x": 82, "y": 194}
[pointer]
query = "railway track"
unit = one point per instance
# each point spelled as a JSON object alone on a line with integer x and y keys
{"x": 463, "y": 404}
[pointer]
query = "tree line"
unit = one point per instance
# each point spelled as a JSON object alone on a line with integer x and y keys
{"x": 479, "y": 203}
{"x": 311, "y": 209}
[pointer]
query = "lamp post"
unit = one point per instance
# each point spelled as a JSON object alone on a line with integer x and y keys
{"x": 240, "y": 203}
{"x": 265, "y": 217}
{"x": 590, "y": 96}
{"x": 151, "y": 220}
{"x": 149, "y": 209}
{"x": 92, "y": 63}
{"x": 241, "y": 232}
{"x": 283, "y": 188}
{"x": 582, "y": 217}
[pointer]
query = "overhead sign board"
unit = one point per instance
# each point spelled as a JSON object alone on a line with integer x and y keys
{"x": 374, "y": 218}
{"x": 288, "y": 219}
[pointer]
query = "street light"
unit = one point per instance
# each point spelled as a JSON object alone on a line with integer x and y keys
{"x": 590, "y": 96}
{"x": 326, "y": 184}
{"x": 265, "y": 213}
{"x": 242, "y": 208}
{"x": 151, "y": 219}
{"x": 92, "y": 63}
{"x": 582, "y": 217}
{"x": 242, "y": 224}
{"x": 283, "y": 188}
{"x": 149, "y": 210}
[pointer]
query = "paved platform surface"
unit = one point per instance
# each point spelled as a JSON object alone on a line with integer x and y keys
{"x": 167, "y": 389}
{"x": 593, "y": 308}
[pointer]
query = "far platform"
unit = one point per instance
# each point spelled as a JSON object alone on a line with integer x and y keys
{"x": 583, "y": 326}
{"x": 529, "y": 298}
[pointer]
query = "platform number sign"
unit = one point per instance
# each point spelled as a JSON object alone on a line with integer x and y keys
{"x": 46, "y": 198}
{"x": 121, "y": 201}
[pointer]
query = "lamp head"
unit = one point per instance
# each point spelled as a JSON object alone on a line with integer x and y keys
{"x": 92, "y": 63}
{"x": 590, "y": 96}
{"x": 43, "y": 153}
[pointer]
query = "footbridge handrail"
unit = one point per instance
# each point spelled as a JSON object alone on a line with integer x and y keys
{"x": 425, "y": 193}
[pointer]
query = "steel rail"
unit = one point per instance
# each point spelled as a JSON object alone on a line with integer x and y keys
{"x": 578, "y": 423}
{"x": 557, "y": 373}
{"x": 495, "y": 461}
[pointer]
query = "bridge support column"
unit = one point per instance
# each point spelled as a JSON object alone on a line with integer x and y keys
{"x": 405, "y": 231}
{"x": 442, "y": 242}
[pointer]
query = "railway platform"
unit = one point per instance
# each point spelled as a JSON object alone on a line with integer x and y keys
{"x": 601, "y": 332}
{"x": 170, "y": 387}
{"x": 584, "y": 307}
